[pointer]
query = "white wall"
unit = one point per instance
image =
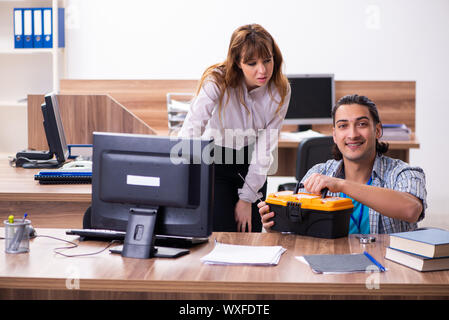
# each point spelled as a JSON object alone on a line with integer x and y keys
{"x": 354, "y": 39}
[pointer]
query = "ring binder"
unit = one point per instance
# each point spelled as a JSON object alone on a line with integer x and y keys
{"x": 27, "y": 28}
{"x": 38, "y": 41}
{"x": 18, "y": 28}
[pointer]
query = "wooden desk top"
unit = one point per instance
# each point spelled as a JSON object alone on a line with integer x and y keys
{"x": 287, "y": 143}
{"x": 18, "y": 184}
{"x": 393, "y": 145}
{"x": 42, "y": 269}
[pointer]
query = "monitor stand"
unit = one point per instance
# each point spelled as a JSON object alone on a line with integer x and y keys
{"x": 41, "y": 164}
{"x": 139, "y": 239}
{"x": 33, "y": 159}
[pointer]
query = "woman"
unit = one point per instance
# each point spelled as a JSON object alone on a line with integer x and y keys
{"x": 241, "y": 104}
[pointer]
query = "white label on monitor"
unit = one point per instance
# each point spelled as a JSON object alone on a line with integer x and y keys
{"x": 143, "y": 181}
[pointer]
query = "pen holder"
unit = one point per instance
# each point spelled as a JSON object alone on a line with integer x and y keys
{"x": 17, "y": 236}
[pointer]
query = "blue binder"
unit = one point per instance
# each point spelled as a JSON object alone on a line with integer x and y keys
{"x": 61, "y": 28}
{"x": 18, "y": 28}
{"x": 47, "y": 15}
{"x": 47, "y": 27}
{"x": 38, "y": 40}
{"x": 27, "y": 28}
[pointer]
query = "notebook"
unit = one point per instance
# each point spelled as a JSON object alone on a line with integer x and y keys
{"x": 67, "y": 177}
{"x": 339, "y": 263}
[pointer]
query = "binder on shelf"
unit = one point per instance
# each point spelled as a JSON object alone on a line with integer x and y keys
{"x": 18, "y": 28}
{"x": 61, "y": 28}
{"x": 27, "y": 28}
{"x": 38, "y": 41}
{"x": 47, "y": 27}
{"x": 47, "y": 14}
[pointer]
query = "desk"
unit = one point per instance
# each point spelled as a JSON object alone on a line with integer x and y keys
{"x": 287, "y": 150}
{"x": 47, "y": 205}
{"x": 40, "y": 274}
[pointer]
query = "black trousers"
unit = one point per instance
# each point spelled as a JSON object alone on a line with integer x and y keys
{"x": 227, "y": 183}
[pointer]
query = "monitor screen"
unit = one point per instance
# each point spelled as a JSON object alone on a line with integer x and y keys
{"x": 133, "y": 172}
{"x": 312, "y": 98}
{"x": 54, "y": 130}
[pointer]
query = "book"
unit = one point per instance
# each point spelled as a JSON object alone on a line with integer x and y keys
{"x": 430, "y": 243}
{"x": 395, "y": 132}
{"x": 415, "y": 261}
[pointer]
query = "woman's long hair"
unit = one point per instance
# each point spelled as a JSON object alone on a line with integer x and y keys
{"x": 381, "y": 147}
{"x": 247, "y": 42}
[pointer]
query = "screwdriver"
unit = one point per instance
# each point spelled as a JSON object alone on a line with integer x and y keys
{"x": 300, "y": 185}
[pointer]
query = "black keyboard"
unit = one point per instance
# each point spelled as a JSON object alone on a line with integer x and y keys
{"x": 98, "y": 234}
{"x": 163, "y": 241}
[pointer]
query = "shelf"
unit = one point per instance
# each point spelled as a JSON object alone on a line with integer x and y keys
{"x": 26, "y": 51}
{"x": 11, "y": 103}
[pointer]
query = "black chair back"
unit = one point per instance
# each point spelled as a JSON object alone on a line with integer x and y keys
{"x": 312, "y": 151}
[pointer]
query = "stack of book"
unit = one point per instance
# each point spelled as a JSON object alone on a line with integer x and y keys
{"x": 396, "y": 132}
{"x": 422, "y": 250}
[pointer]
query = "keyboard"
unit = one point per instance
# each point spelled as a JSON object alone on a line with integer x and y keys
{"x": 163, "y": 241}
{"x": 98, "y": 234}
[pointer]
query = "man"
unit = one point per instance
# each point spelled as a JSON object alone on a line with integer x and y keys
{"x": 388, "y": 194}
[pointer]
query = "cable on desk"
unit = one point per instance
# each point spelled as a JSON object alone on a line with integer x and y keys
{"x": 75, "y": 245}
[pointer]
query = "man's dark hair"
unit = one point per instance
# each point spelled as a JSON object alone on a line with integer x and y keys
{"x": 381, "y": 147}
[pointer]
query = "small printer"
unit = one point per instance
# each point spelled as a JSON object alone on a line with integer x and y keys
{"x": 310, "y": 215}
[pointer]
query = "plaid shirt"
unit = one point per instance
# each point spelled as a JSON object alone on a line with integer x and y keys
{"x": 387, "y": 173}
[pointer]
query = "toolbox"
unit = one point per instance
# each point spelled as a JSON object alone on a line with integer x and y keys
{"x": 310, "y": 215}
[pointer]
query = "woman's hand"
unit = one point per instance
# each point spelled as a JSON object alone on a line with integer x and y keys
{"x": 242, "y": 215}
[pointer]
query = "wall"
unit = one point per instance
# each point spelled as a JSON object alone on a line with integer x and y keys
{"x": 354, "y": 39}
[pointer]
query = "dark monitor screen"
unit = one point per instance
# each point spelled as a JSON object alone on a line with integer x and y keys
{"x": 54, "y": 130}
{"x": 312, "y": 98}
{"x": 133, "y": 172}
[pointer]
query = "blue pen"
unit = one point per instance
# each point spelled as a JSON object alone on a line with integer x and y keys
{"x": 374, "y": 261}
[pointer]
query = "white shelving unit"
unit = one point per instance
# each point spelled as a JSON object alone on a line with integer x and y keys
{"x": 27, "y": 71}
{"x": 23, "y": 72}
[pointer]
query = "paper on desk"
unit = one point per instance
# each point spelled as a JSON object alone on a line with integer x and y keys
{"x": 300, "y": 135}
{"x": 238, "y": 254}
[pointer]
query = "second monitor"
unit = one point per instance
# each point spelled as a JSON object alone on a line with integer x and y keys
{"x": 312, "y": 98}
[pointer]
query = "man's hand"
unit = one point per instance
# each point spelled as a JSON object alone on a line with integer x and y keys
{"x": 266, "y": 215}
{"x": 242, "y": 215}
{"x": 317, "y": 182}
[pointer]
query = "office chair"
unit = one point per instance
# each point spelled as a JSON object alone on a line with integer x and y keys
{"x": 311, "y": 151}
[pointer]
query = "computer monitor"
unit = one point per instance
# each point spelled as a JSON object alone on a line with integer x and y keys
{"x": 54, "y": 129}
{"x": 312, "y": 98}
{"x": 140, "y": 182}
{"x": 54, "y": 132}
